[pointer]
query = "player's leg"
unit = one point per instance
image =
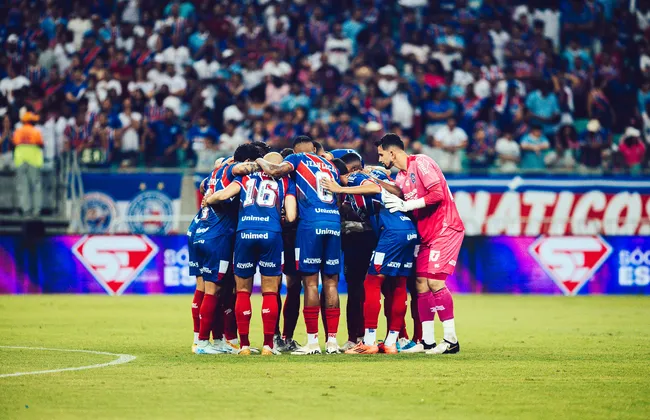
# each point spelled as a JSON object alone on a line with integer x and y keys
{"x": 245, "y": 261}
{"x": 357, "y": 251}
{"x": 445, "y": 259}
{"x": 228, "y": 301}
{"x": 209, "y": 267}
{"x": 371, "y": 309}
{"x": 425, "y": 301}
{"x": 309, "y": 256}
{"x": 397, "y": 311}
{"x": 277, "y": 336}
{"x": 415, "y": 316}
{"x": 198, "y": 292}
{"x": 270, "y": 263}
{"x": 331, "y": 267}
{"x": 291, "y": 311}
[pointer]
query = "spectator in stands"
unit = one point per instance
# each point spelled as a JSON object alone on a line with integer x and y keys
{"x": 482, "y": 151}
{"x": 344, "y": 134}
{"x": 202, "y": 140}
{"x": 438, "y": 110}
{"x": 6, "y": 146}
{"x": 451, "y": 141}
{"x": 508, "y": 153}
{"x": 594, "y": 146}
{"x": 543, "y": 108}
{"x": 561, "y": 156}
{"x": 633, "y": 149}
{"x": 534, "y": 145}
{"x": 28, "y": 161}
{"x": 164, "y": 139}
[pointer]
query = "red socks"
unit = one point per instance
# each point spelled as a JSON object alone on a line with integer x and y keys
{"x": 291, "y": 311}
{"x": 243, "y": 316}
{"x": 398, "y": 305}
{"x": 196, "y": 307}
{"x": 229, "y": 320}
{"x": 372, "y": 302}
{"x": 444, "y": 304}
{"x": 310, "y": 313}
{"x": 332, "y": 316}
{"x": 206, "y": 314}
{"x": 269, "y": 315}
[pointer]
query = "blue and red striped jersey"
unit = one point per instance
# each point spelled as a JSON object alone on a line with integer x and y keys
{"x": 371, "y": 207}
{"x": 315, "y": 203}
{"x": 220, "y": 218}
{"x": 261, "y": 200}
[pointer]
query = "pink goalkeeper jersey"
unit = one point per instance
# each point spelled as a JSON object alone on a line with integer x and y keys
{"x": 423, "y": 174}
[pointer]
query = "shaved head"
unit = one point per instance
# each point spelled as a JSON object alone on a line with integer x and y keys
{"x": 273, "y": 157}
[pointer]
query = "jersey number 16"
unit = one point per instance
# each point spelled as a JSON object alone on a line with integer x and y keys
{"x": 265, "y": 197}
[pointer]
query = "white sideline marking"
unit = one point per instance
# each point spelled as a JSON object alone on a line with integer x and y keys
{"x": 121, "y": 359}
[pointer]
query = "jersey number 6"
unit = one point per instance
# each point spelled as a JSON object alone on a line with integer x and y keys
{"x": 324, "y": 195}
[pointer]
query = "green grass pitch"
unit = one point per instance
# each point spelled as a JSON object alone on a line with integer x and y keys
{"x": 522, "y": 357}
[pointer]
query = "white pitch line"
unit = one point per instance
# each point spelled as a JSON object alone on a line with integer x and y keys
{"x": 121, "y": 359}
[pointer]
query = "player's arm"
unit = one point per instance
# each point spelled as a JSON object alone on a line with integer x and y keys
{"x": 202, "y": 186}
{"x": 391, "y": 188}
{"x": 230, "y": 191}
{"x": 275, "y": 170}
{"x": 245, "y": 168}
{"x": 290, "y": 208}
{"x": 366, "y": 188}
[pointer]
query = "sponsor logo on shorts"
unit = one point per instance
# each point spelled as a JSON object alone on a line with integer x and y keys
{"x": 405, "y": 219}
{"x": 452, "y": 263}
{"x": 312, "y": 261}
{"x": 332, "y": 262}
{"x": 328, "y": 232}
{"x": 205, "y": 270}
{"x": 439, "y": 308}
{"x": 255, "y": 219}
{"x": 200, "y": 241}
{"x": 194, "y": 264}
{"x": 244, "y": 265}
{"x": 394, "y": 264}
{"x": 408, "y": 265}
{"x": 268, "y": 264}
{"x": 254, "y": 235}
{"x": 411, "y": 236}
{"x": 328, "y": 211}
{"x": 202, "y": 230}
{"x": 189, "y": 233}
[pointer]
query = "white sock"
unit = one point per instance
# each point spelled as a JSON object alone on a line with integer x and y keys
{"x": 428, "y": 335}
{"x": 449, "y": 327}
{"x": 203, "y": 343}
{"x": 331, "y": 338}
{"x": 312, "y": 338}
{"x": 392, "y": 338}
{"x": 370, "y": 338}
{"x": 196, "y": 338}
{"x": 234, "y": 341}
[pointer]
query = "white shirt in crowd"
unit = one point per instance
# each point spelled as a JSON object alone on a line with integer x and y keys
{"x": 338, "y": 52}
{"x": 205, "y": 69}
{"x": 125, "y": 43}
{"x": 177, "y": 56}
{"x": 421, "y": 52}
{"x": 499, "y": 41}
{"x": 507, "y": 148}
{"x": 9, "y": 85}
{"x": 252, "y": 78}
{"x": 276, "y": 68}
{"x": 130, "y": 137}
{"x": 450, "y": 161}
{"x": 104, "y": 86}
{"x": 232, "y": 113}
{"x": 446, "y": 59}
{"x": 131, "y": 13}
{"x": 272, "y": 20}
{"x": 62, "y": 52}
{"x": 402, "y": 110}
{"x": 146, "y": 86}
{"x": 228, "y": 143}
{"x": 79, "y": 27}
{"x": 173, "y": 103}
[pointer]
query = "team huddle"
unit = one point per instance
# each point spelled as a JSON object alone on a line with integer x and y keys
{"x": 305, "y": 212}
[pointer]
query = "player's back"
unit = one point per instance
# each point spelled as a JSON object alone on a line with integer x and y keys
{"x": 422, "y": 174}
{"x": 261, "y": 201}
{"x": 315, "y": 203}
{"x": 371, "y": 208}
{"x": 220, "y": 219}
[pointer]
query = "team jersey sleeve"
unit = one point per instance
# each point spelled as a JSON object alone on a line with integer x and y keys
{"x": 426, "y": 173}
{"x": 291, "y": 187}
{"x": 229, "y": 175}
{"x": 240, "y": 181}
{"x": 293, "y": 160}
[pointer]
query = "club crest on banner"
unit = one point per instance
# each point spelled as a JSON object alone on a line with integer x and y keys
{"x": 149, "y": 212}
{"x": 97, "y": 212}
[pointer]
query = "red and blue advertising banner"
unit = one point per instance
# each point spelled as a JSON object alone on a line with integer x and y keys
{"x": 141, "y": 264}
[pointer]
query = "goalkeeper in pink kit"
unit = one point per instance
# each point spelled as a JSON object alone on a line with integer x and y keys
{"x": 441, "y": 232}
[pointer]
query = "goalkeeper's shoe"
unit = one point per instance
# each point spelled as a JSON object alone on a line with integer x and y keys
{"x": 404, "y": 345}
{"x": 332, "y": 348}
{"x": 307, "y": 349}
{"x": 361, "y": 348}
{"x": 204, "y": 347}
{"x": 446, "y": 347}
{"x": 268, "y": 351}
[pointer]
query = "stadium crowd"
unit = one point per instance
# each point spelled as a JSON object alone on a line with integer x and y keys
{"x": 510, "y": 85}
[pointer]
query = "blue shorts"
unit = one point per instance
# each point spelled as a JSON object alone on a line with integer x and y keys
{"x": 256, "y": 247}
{"x": 191, "y": 256}
{"x": 213, "y": 255}
{"x": 318, "y": 248}
{"x": 395, "y": 253}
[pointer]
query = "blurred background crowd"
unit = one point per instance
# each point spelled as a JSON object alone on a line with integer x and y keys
{"x": 477, "y": 84}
